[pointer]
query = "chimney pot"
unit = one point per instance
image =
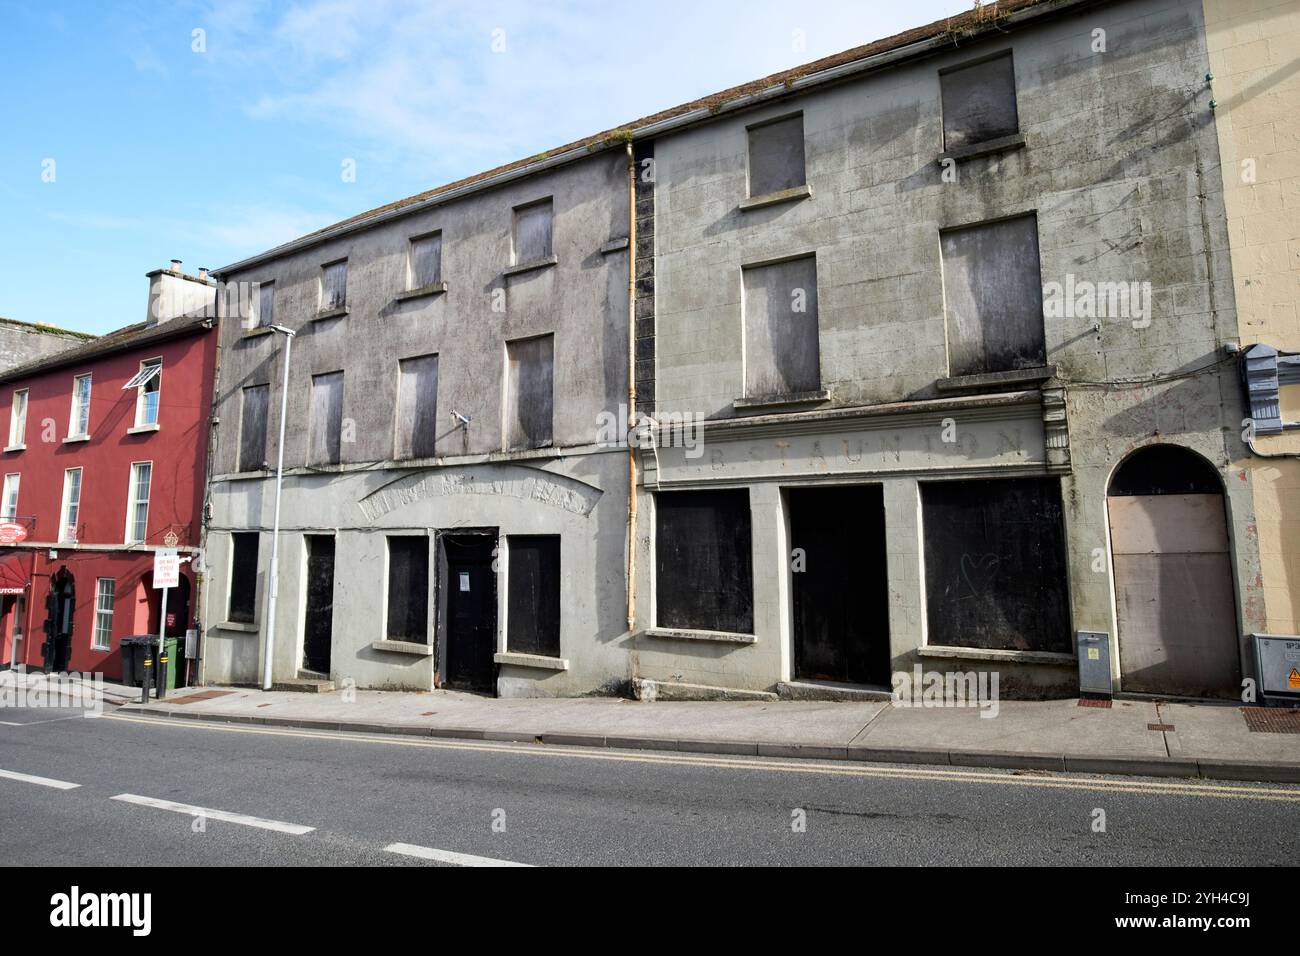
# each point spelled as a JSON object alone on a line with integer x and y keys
{"x": 176, "y": 265}
{"x": 203, "y": 273}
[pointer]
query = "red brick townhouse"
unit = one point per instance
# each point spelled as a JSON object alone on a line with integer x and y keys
{"x": 105, "y": 446}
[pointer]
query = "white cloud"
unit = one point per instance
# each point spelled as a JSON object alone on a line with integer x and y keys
{"x": 418, "y": 82}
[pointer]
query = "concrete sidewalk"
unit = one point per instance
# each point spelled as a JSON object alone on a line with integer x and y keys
{"x": 1205, "y": 740}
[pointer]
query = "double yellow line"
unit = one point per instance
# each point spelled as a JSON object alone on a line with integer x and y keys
{"x": 765, "y": 764}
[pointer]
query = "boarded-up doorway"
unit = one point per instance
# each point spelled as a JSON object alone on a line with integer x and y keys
{"x": 1174, "y": 597}
{"x": 467, "y": 598}
{"x": 840, "y": 591}
{"x": 318, "y": 622}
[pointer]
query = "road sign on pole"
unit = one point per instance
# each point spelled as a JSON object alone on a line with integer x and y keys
{"x": 166, "y": 575}
{"x": 166, "y": 568}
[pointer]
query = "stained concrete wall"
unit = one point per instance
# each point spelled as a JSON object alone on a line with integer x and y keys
{"x": 1253, "y": 49}
{"x": 21, "y": 342}
{"x": 1119, "y": 166}
{"x": 573, "y": 489}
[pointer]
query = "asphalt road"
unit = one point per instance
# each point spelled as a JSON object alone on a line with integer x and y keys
{"x": 362, "y": 795}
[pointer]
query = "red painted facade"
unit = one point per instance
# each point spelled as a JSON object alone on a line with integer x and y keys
{"x": 177, "y": 450}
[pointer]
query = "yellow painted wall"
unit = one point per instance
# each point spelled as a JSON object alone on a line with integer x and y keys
{"x": 1254, "y": 48}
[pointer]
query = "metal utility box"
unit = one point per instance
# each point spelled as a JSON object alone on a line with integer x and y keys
{"x": 1277, "y": 669}
{"x": 1094, "y": 663}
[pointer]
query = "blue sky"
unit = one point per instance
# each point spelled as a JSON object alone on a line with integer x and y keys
{"x": 163, "y": 151}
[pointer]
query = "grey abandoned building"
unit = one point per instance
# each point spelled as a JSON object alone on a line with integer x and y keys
{"x": 951, "y": 315}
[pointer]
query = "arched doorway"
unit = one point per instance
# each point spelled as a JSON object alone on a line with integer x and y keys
{"x": 1175, "y": 602}
{"x": 59, "y": 605}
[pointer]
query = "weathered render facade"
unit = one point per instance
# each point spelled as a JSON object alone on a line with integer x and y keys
{"x": 939, "y": 479}
{"x": 447, "y": 516}
{"x": 937, "y": 340}
{"x": 24, "y": 342}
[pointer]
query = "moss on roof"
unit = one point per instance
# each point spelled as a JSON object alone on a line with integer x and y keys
{"x": 44, "y": 328}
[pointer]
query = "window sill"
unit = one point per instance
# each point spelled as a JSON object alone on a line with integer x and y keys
{"x": 713, "y": 637}
{"x": 403, "y": 647}
{"x": 101, "y": 648}
{"x": 518, "y": 449}
{"x": 776, "y": 401}
{"x": 236, "y": 626}
{"x": 72, "y": 439}
{"x": 142, "y": 429}
{"x": 614, "y": 245}
{"x": 530, "y": 266}
{"x": 338, "y": 313}
{"x": 532, "y": 660}
{"x": 257, "y": 330}
{"x": 16, "y": 448}
{"x": 1003, "y": 144}
{"x": 793, "y": 194}
{"x": 985, "y": 380}
{"x": 425, "y": 290}
{"x": 1006, "y": 657}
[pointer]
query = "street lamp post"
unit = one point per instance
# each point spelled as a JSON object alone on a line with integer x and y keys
{"x": 273, "y": 589}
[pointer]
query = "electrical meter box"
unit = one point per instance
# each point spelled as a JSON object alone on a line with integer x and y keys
{"x": 1094, "y": 663}
{"x": 1277, "y": 669}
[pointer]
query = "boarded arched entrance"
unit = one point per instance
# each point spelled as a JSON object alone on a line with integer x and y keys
{"x": 1174, "y": 597}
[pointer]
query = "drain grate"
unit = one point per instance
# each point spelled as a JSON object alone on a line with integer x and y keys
{"x": 1270, "y": 720}
{"x": 1093, "y": 702}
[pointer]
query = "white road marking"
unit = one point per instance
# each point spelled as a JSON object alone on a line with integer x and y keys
{"x": 447, "y": 856}
{"x": 240, "y": 818}
{"x": 48, "y": 720}
{"x": 41, "y": 781}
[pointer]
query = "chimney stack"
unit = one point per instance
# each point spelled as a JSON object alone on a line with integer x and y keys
{"x": 174, "y": 295}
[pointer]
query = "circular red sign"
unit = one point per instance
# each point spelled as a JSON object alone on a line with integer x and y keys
{"x": 11, "y": 532}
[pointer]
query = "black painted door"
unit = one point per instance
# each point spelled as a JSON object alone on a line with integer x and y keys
{"x": 471, "y": 602}
{"x": 841, "y": 595}
{"x": 319, "y": 622}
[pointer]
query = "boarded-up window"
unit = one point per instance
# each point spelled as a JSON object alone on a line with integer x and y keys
{"x": 334, "y": 286}
{"x": 533, "y": 610}
{"x": 417, "y": 407}
{"x": 252, "y": 427}
{"x": 782, "y": 356}
{"x": 243, "y": 577}
{"x": 994, "y": 295}
{"x": 533, "y": 232}
{"x": 703, "y": 561}
{"x": 530, "y": 365}
{"x": 776, "y": 158}
{"x": 426, "y": 260}
{"x": 995, "y": 565}
{"x": 408, "y": 589}
{"x": 326, "y": 418}
{"x": 979, "y": 102}
{"x": 266, "y": 304}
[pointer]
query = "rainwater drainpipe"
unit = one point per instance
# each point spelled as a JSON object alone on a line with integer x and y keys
{"x": 631, "y": 385}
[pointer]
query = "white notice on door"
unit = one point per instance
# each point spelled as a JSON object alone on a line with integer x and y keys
{"x": 464, "y": 580}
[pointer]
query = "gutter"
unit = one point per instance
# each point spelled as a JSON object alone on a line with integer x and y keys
{"x": 668, "y": 125}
